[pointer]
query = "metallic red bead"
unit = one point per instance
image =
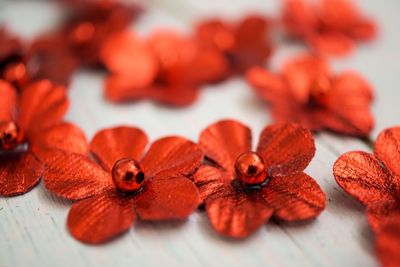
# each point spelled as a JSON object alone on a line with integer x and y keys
{"x": 9, "y": 133}
{"x": 250, "y": 168}
{"x": 128, "y": 175}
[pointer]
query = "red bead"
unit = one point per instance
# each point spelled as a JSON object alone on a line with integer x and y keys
{"x": 250, "y": 168}
{"x": 9, "y": 133}
{"x": 128, "y": 175}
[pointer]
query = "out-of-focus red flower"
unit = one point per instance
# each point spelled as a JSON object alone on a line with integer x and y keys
{"x": 31, "y": 127}
{"x": 167, "y": 68}
{"x": 124, "y": 184}
{"x": 244, "y": 44}
{"x": 92, "y": 22}
{"x": 244, "y": 189}
{"x": 388, "y": 244}
{"x": 330, "y": 27}
{"x": 308, "y": 93}
{"x": 374, "y": 179}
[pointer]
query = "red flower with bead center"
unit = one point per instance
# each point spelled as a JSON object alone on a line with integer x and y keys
{"x": 125, "y": 185}
{"x": 242, "y": 189}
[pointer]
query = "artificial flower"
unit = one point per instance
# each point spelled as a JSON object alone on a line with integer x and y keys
{"x": 121, "y": 185}
{"x": 243, "y": 189}
{"x": 388, "y": 243}
{"x": 329, "y": 27}
{"x": 244, "y": 44}
{"x": 31, "y": 126}
{"x": 374, "y": 179}
{"x": 167, "y": 68}
{"x": 307, "y": 92}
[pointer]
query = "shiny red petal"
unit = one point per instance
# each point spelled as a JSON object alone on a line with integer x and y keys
{"x": 388, "y": 244}
{"x": 217, "y": 33}
{"x": 348, "y": 106}
{"x": 387, "y": 149}
{"x": 100, "y": 218}
{"x": 210, "y": 180}
{"x": 166, "y": 197}
{"x": 8, "y": 102}
{"x": 113, "y": 144}
{"x": 64, "y": 136}
{"x": 42, "y": 105}
{"x": 74, "y": 176}
{"x": 295, "y": 197}
{"x": 224, "y": 141}
{"x": 268, "y": 86}
{"x": 236, "y": 213}
{"x": 176, "y": 155}
{"x": 126, "y": 55}
{"x": 174, "y": 95}
{"x": 19, "y": 173}
{"x": 361, "y": 175}
{"x": 123, "y": 88}
{"x": 332, "y": 44}
{"x": 286, "y": 148}
{"x": 381, "y": 213}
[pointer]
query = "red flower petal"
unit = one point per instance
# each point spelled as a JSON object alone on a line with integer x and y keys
{"x": 9, "y": 45}
{"x": 348, "y": 106}
{"x": 387, "y": 149}
{"x": 299, "y": 18}
{"x": 381, "y": 213}
{"x": 19, "y": 173}
{"x": 210, "y": 180}
{"x": 123, "y": 88}
{"x": 296, "y": 197}
{"x": 64, "y": 136}
{"x": 332, "y": 44}
{"x": 100, "y": 218}
{"x": 167, "y": 197}
{"x": 236, "y": 213}
{"x": 286, "y": 148}
{"x": 8, "y": 102}
{"x": 41, "y": 105}
{"x": 361, "y": 175}
{"x": 113, "y": 144}
{"x": 363, "y": 30}
{"x": 176, "y": 155}
{"x": 224, "y": 141}
{"x": 388, "y": 244}
{"x": 74, "y": 176}
{"x": 174, "y": 95}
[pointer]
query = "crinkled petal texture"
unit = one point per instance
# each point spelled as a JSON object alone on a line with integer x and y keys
{"x": 167, "y": 197}
{"x": 19, "y": 173}
{"x": 64, "y": 136}
{"x": 387, "y": 149}
{"x": 364, "y": 177}
{"x": 388, "y": 244}
{"x": 294, "y": 197}
{"x": 175, "y": 155}
{"x": 236, "y": 213}
{"x": 286, "y": 148}
{"x": 8, "y": 102}
{"x": 224, "y": 141}
{"x": 74, "y": 176}
{"x": 41, "y": 105}
{"x": 382, "y": 213}
{"x": 100, "y": 218}
{"x": 113, "y": 144}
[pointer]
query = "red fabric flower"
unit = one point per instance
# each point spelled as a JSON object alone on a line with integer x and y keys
{"x": 30, "y": 127}
{"x": 374, "y": 179}
{"x": 388, "y": 244}
{"x": 244, "y": 189}
{"x": 123, "y": 184}
{"x": 330, "y": 27}
{"x": 92, "y": 22}
{"x": 306, "y": 92}
{"x": 167, "y": 68}
{"x": 244, "y": 44}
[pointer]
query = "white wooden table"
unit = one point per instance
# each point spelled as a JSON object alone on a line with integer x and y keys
{"x": 32, "y": 227}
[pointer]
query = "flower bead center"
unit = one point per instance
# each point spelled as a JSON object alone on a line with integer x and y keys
{"x": 319, "y": 90}
{"x": 9, "y": 132}
{"x": 127, "y": 175}
{"x": 250, "y": 168}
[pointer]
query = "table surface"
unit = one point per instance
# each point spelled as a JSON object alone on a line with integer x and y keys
{"x": 32, "y": 226}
